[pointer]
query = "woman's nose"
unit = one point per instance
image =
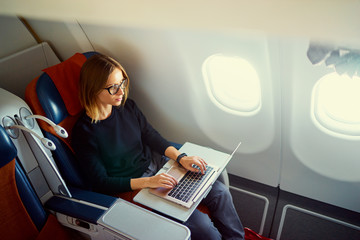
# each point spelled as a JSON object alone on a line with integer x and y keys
{"x": 120, "y": 92}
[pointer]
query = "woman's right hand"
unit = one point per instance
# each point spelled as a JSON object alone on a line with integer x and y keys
{"x": 162, "y": 180}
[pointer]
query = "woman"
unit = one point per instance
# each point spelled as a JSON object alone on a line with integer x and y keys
{"x": 120, "y": 151}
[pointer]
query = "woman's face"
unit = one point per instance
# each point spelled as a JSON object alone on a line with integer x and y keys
{"x": 104, "y": 97}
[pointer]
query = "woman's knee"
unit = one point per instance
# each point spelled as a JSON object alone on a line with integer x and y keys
{"x": 219, "y": 190}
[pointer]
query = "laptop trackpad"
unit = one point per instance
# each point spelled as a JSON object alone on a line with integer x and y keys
{"x": 177, "y": 172}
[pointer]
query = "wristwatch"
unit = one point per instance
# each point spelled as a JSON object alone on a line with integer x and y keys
{"x": 179, "y": 157}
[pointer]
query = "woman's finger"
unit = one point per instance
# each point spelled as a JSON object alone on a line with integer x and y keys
{"x": 170, "y": 179}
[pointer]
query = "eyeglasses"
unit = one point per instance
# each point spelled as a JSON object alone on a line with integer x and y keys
{"x": 114, "y": 89}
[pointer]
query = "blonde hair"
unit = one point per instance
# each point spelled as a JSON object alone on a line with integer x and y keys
{"x": 93, "y": 78}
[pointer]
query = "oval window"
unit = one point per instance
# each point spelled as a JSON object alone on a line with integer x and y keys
{"x": 232, "y": 84}
{"x": 336, "y": 105}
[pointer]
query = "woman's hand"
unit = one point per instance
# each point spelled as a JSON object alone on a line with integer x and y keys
{"x": 162, "y": 180}
{"x": 188, "y": 161}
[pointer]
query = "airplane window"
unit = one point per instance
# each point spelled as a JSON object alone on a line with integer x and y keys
{"x": 232, "y": 84}
{"x": 335, "y": 105}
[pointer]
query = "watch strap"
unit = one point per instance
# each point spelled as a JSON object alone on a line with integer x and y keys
{"x": 179, "y": 157}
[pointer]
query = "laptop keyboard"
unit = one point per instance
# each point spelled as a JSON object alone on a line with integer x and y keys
{"x": 189, "y": 184}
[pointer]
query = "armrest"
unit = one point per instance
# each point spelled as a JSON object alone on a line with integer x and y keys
{"x": 74, "y": 209}
{"x": 133, "y": 221}
{"x": 123, "y": 220}
{"x": 92, "y": 197}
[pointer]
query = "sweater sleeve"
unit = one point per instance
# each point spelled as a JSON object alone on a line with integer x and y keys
{"x": 85, "y": 145}
{"x": 150, "y": 136}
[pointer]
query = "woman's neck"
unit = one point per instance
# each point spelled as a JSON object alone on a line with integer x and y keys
{"x": 105, "y": 112}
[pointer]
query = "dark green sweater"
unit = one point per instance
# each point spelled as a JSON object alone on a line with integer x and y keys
{"x": 114, "y": 150}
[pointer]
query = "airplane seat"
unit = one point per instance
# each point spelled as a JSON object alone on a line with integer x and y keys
{"x": 44, "y": 99}
{"x": 22, "y": 214}
{"x": 48, "y": 96}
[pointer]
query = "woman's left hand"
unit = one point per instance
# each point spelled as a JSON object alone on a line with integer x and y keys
{"x": 188, "y": 161}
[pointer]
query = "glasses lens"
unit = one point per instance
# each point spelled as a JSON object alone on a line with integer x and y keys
{"x": 123, "y": 84}
{"x": 114, "y": 89}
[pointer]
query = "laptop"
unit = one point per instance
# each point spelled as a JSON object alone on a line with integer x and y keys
{"x": 191, "y": 185}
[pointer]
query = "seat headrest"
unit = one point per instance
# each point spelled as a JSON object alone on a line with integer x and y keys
{"x": 66, "y": 76}
{"x": 56, "y": 96}
{"x": 7, "y": 148}
{"x": 57, "y": 88}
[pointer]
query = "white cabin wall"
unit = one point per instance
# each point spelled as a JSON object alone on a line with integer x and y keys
{"x": 322, "y": 19}
{"x": 16, "y": 40}
{"x": 156, "y": 74}
{"x": 14, "y": 36}
{"x": 19, "y": 69}
{"x": 65, "y": 37}
{"x": 315, "y": 164}
{"x": 259, "y": 133}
